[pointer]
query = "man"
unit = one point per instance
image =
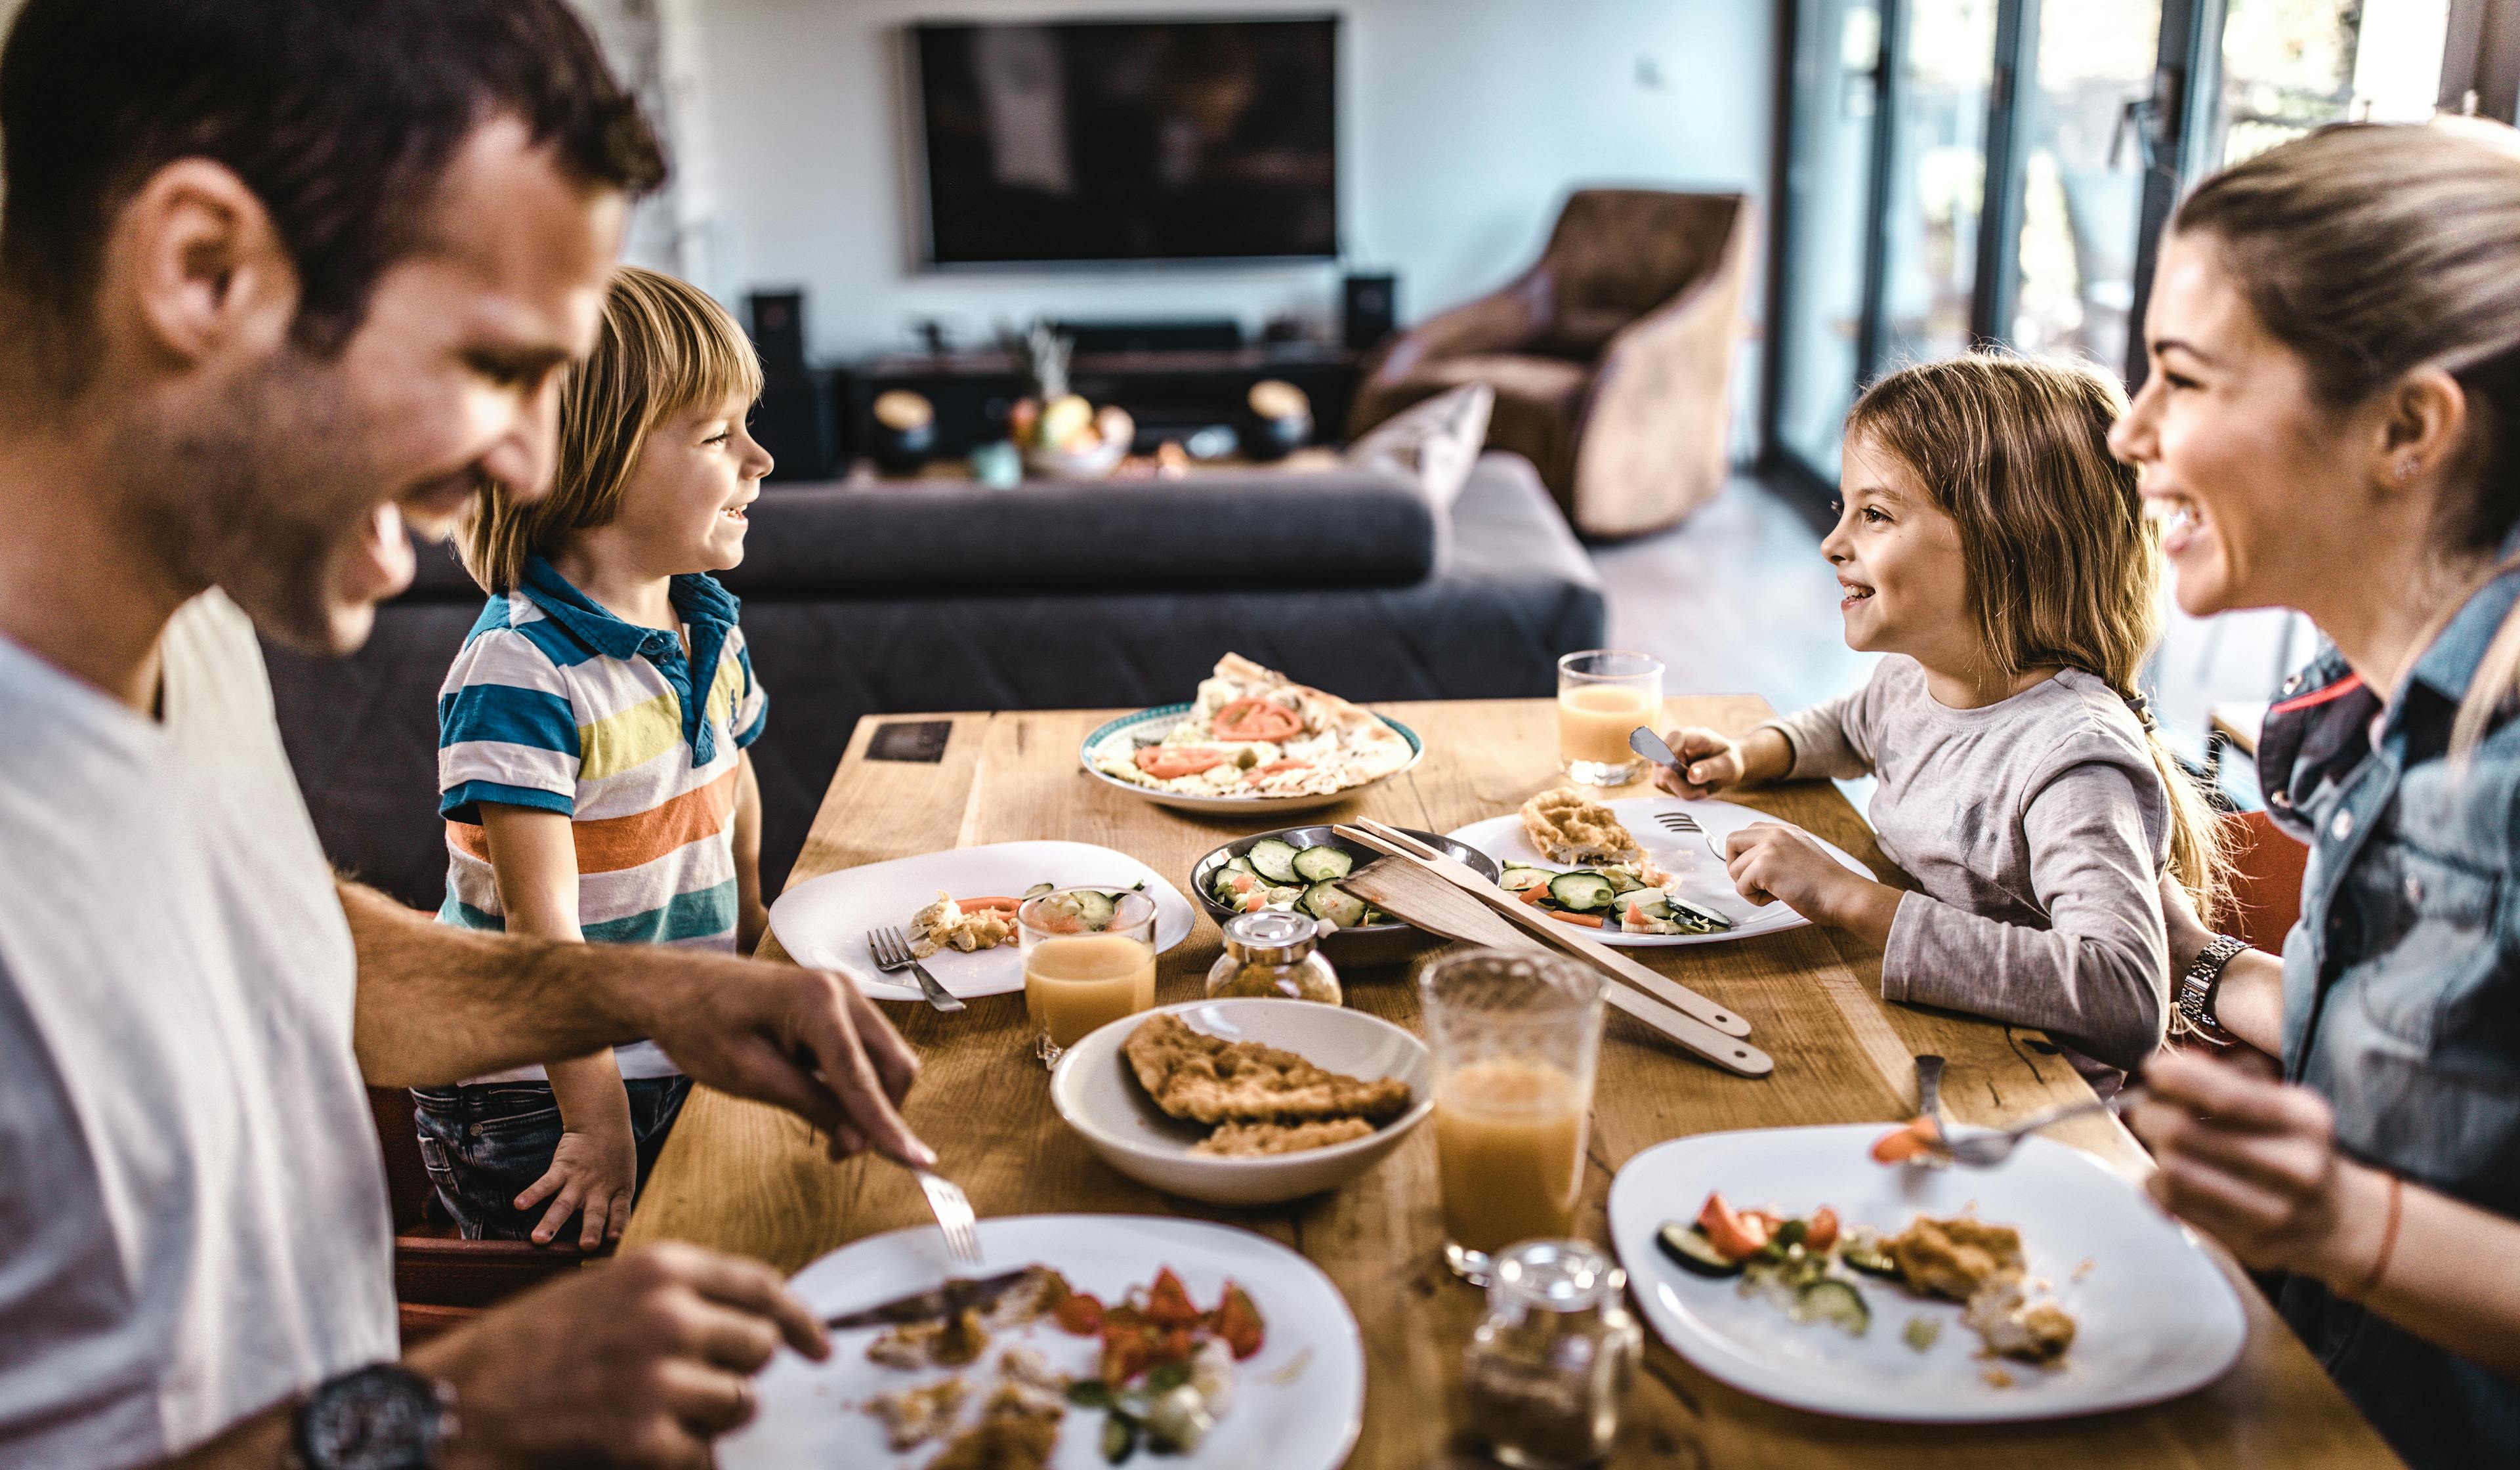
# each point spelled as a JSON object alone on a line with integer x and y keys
{"x": 280, "y": 277}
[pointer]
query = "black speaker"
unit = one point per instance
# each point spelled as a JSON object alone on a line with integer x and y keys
{"x": 793, "y": 422}
{"x": 779, "y": 329}
{"x": 1370, "y": 310}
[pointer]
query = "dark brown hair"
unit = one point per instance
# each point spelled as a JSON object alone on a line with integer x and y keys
{"x": 340, "y": 115}
{"x": 2064, "y": 570}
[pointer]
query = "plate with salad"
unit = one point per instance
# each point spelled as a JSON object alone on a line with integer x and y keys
{"x": 1640, "y": 873}
{"x": 956, "y": 909}
{"x": 1790, "y": 1264}
{"x": 1159, "y": 1343}
{"x": 1297, "y": 869}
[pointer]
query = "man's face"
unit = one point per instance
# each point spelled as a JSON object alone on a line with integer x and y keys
{"x": 452, "y": 378}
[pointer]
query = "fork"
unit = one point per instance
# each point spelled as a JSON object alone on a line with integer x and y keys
{"x": 1986, "y": 1150}
{"x": 892, "y": 956}
{"x": 954, "y": 1215}
{"x": 1686, "y": 825}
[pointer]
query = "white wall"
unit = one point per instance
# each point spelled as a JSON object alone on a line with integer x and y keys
{"x": 1463, "y": 124}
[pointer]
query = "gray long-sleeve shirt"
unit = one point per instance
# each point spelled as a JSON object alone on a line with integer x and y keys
{"x": 2037, "y": 829}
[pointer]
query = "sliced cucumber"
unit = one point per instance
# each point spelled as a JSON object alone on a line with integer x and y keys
{"x": 1688, "y": 1245}
{"x": 1273, "y": 860}
{"x": 1621, "y": 882}
{"x": 1323, "y": 864}
{"x": 1830, "y": 1300}
{"x": 1869, "y": 1258}
{"x": 1094, "y": 909}
{"x": 1323, "y": 901}
{"x": 1517, "y": 878}
{"x": 1686, "y": 913}
{"x": 1240, "y": 865}
{"x": 1581, "y": 891}
{"x": 1038, "y": 889}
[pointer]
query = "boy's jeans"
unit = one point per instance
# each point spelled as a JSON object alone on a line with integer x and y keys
{"x": 484, "y": 1144}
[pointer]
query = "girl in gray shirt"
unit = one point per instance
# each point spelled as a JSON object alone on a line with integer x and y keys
{"x": 1992, "y": 546}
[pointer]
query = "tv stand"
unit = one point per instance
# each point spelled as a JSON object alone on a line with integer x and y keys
{"x": 1170, "y": 393}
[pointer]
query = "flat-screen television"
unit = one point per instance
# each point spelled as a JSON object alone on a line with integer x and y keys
{"x": 1128, "y": 140}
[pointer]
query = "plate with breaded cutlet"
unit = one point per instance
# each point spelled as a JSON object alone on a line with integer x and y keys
{"x": 1244, "y": 1101}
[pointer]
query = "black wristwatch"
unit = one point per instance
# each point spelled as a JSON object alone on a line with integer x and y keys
{"x": 380, "y": 1417}
{"x": 2198, "y": 986}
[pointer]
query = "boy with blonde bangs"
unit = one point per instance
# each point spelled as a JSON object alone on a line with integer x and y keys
{"x": 591, "y": 745}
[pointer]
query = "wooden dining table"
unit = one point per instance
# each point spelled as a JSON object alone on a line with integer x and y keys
{"x": 743, "y": 1177}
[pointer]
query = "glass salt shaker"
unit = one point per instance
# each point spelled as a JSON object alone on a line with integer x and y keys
{"x": 1548, "y": 1373}
{"x": 1274, "y": 956}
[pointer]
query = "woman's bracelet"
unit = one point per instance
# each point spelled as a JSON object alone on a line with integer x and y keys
{"x": 2388, "y": 1241}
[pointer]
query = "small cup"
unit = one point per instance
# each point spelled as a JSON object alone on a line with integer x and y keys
{"x": 1603, "y": 696}
{"x": 1083, "y": 967}
{"x": 1516, "y": 1034}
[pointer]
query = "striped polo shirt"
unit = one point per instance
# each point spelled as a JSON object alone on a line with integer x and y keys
{"x": 557, "y": 704}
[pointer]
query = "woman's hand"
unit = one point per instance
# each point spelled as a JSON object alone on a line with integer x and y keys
{"x": 2254, "y": 1163}
{"x": 594, "y": 1169}
{"x": 1774, "y": 864}
{"x": 1709, "y": 763}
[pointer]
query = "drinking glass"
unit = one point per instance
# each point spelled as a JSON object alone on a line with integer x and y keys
{"x": 1516, "y": 1034}
{"x": 1082, "y": 969}
{"x": 1603, "y": 694}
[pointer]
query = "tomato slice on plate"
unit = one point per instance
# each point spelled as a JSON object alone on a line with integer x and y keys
{"x": 1256, "y": 720}
{"x": 1173, "y": 762}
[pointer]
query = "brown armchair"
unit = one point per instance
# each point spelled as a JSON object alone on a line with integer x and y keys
{"x": 1611, "y": 356}
{"x": 440, "y": 1278}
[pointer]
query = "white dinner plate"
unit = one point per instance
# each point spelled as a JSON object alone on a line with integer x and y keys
{"x": 823, "y": 921}
{"x": 2156, "y": 1316}
{"x": 1701, "y": 872}
{"x": 1152, "y": 725}
{"x": 1298, "y": 1401}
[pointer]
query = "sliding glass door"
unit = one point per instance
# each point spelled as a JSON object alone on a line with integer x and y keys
{"x": 1996, "y": 172}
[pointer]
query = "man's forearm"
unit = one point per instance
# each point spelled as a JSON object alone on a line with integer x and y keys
{"x": 438, "y": 1003}
{"x": 261, "y": 1443}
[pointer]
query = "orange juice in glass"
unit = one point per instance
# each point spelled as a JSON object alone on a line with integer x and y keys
{"x": 1515, "y": 1036}
{"x": 1603, "y": 694}
{"x": 1088, "y": 957}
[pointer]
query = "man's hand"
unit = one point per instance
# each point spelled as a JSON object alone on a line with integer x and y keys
{"x": 804, "y": 1040}
{"x": 639, "y": 1361}
{"x": 593, "y": 1175}
{"x": 1709, "y": 763}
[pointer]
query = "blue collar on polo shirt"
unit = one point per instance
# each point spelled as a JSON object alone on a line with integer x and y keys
{"x": 706, "y": 608}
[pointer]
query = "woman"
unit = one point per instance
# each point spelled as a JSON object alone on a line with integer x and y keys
{"x": 2332, "y": 423}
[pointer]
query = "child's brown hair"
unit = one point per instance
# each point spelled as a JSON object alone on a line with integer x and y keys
{"x": 664, "y": 348}
{"x": 2063, "y": 568}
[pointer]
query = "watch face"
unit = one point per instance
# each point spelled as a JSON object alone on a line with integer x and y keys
{"x": 379, "y": 1418}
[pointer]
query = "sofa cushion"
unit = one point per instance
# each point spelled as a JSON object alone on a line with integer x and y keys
{"x": 1436, "y": 441}
{"x": 1347, "y": 526}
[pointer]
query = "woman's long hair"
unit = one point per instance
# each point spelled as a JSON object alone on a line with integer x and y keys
{"x": 2065, "y": 571}
{"x": 2373, "y": 250}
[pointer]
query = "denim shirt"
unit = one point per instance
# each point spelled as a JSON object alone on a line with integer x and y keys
{"x": 2402, "y": 992}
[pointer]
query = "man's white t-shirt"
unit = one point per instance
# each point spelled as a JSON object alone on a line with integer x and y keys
{"x": 193, "y": 1214}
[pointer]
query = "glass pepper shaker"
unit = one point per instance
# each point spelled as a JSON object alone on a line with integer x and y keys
{"x": 1274, "y": 956}
{"x": 1549, "y": 1371}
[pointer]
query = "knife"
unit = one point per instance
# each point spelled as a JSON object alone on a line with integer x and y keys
{"x": 957, "y": 1294}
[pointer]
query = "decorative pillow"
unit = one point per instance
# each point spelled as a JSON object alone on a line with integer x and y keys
{"x": 1437, "y": 441}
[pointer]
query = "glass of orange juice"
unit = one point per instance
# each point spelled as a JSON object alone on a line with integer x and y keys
{"x": 1516, "y": 1034}
{"x": 1088, "y": 957}
{"x": 1603, "y": 694}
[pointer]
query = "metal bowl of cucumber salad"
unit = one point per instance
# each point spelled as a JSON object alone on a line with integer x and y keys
{"x": 1297, "y": 869}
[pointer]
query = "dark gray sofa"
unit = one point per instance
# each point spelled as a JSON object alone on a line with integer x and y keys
{"x": 904, "y": 597}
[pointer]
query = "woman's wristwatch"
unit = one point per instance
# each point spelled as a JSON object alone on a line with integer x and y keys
{"x": 2197, "y": 987}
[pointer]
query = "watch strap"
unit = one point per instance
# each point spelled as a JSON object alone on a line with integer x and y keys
{"x": 2199, "y": 987}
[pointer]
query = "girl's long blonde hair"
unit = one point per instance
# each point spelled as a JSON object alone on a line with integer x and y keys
{"x": 2064, "y": 570}
{"x": 664, "y": 348}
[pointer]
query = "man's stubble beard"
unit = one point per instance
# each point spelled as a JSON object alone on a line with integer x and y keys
{"x": 265, "y": 497}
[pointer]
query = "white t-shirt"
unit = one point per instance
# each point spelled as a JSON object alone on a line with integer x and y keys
{"x": 193, "y": 1214}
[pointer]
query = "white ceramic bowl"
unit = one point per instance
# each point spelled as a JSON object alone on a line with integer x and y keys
{"x": 1099, "y": 1096}
{"x": 1093, "y": 462}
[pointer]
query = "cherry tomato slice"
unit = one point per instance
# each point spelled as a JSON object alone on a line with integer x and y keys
{"x": 1173, "y": 762}
{"x": 1737, "y": 1236}
{"x": 1256, "y": 720}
